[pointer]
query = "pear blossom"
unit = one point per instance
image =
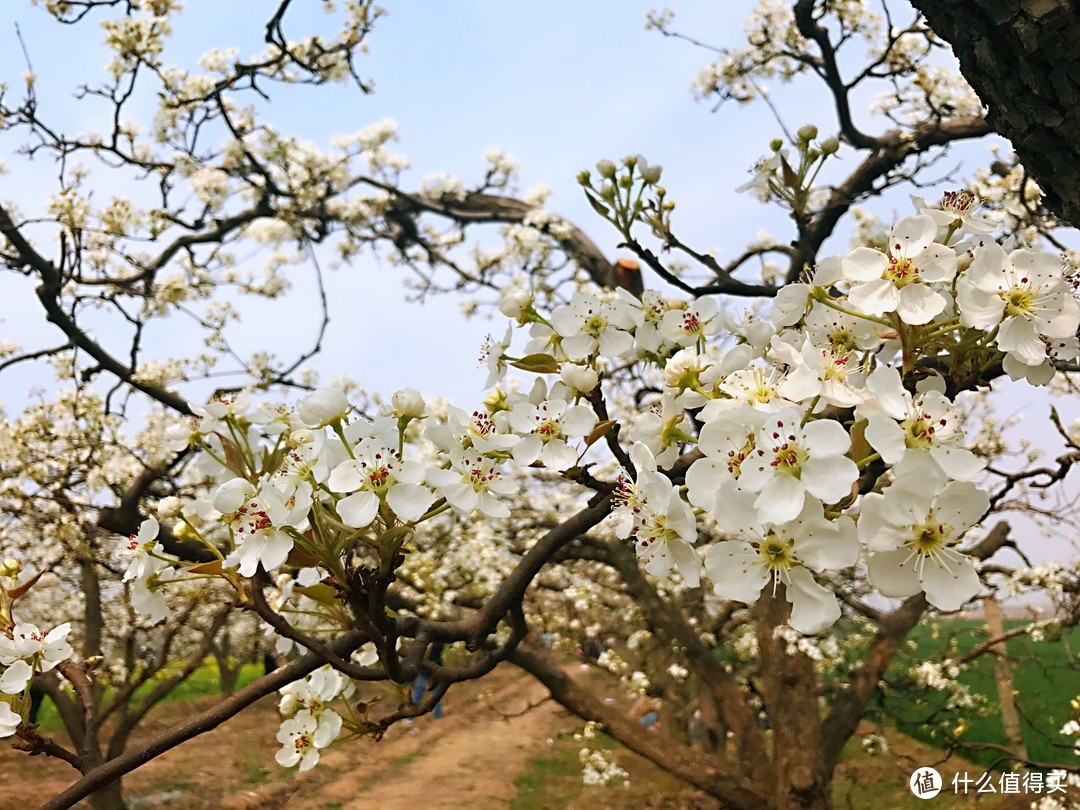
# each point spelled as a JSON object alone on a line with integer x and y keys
{"x": 375, "y": 474}
{"x": 663, "y": 429}
{"x": 957, "y": 210}
{"x": 662, "y": 524}
{"x": 9, "y": 720}
{"x": 785, "y": 554}
{"x": 579, "y": 377}
{"x": 149, "y": 570}
{"x": 763, "y": 387}
{"x": 900, "y": 281}
{"x": 144, "y": 551}
{"x": 545, "y": 428}
{"x": 727, "y": 440}
{"x": 791, "y": 461}
{"x": 258, "y": 520}
{"x": 695, "y": 322}
{"x": 147, "y": 595}
{"x": 472, "y": 483}
{"x": 913, "y": 536}
{"x": 493, "y": 355}
{"x": 302, "y": 737}
{"x": 833, "y": 374}
{"x": 922, "y": 430}
{"x": 408, "y": 404}
{"x": 477, "y": 430}
{"x": 1025, "y": 294}
{"x": 29, "y": 650}
{"x": 761, "y": 183}
{"x": 589, "y": 326}
{"x": 312, "y": 693}
{"x": 647, "y": 313}
{"x": 840, "y": 331}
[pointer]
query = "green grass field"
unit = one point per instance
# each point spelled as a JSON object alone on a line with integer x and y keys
{"x": 202, "y": 683}
{"x": 1046, "y": 675}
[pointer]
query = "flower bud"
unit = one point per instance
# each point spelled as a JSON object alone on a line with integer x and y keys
{"x": 584, "y": 178}
{"x": 408, "y": 404}
{"x": 651, "y": 174}
{"x": 776, "y": 144}
{"x": 630, "y": 161}
{"x": 807, "y": 132}
{"x": 606, "y": 169}
{"x": 580, "y": 378}
{"x": 830, "y": 146}
{"x": 514, "y": 301}
{"x": 496, "y": 401}
{"x": 323, "y": 407}
{"x": 169, "y": 507}
{"x": 298, "y": 438}
{"x": 10, "y": 568}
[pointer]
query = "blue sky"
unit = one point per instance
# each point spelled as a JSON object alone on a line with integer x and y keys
{"x": 558, "y": 85}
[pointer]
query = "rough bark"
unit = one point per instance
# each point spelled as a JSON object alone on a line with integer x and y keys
{"x": 732, "y": 787}
{"x": 790, "y": 688}
{"x": 1020, "y": 56}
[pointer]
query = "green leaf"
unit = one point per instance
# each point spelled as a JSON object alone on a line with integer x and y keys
{"x": 537, "y": 364}
{"x": 599, "y": 432}
{"x": 321, "y": 592}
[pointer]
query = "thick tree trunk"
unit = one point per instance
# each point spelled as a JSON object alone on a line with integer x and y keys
{"x": 802, "y": 780}
{"x": 109, "y": 797}
{"x": 1021, "y": 58}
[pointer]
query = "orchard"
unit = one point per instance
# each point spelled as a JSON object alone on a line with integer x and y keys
{"x": 744, "y": 479}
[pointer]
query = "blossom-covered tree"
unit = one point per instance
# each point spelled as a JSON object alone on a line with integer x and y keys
{"x": 689, "y": 454}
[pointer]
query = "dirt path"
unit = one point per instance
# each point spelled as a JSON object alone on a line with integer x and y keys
{"x": 468, "y": 758}
{"x": 473, "y": 751}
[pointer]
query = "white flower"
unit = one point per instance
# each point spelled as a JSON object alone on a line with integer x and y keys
{"x": 471, "y": 483}
{"x": 545, "y": 428}
{"x": 913, "y": 535}
{"x": 1024, "y": 292}
{"x": 587, "y": 326}
{"x": 663, "y": 429}
{"x": 259, "y": 522}
{"x": 302, "y": 736}
{"x": 740, "y": 569}
{"x": 477, "y": 430}
{"x": 660, "y": 521}
{"x": 579, "y": 377}
{"x": 408, "y": 404}
{"x": 30, "y": 649}
{"x": 760, "y": 185}
{"x": 910, "y": 431}
{"x": 727, "y": 440}
{"x": 377, "y": 473}
{"x": 791, "y": 460}
{"x": 900, "y": 280}
{"x": 142, "y": 548}
{"x": 323, "y": 407}
{"x": 686, "y": 327}
{"x": 492, "y": 354}
{"x": 9, "y": 720}
{"x": 957, "y": 210}
{"x": 843, "y": 332}
{"x": 822, "y": 371}
{"x": 312, "y": 693}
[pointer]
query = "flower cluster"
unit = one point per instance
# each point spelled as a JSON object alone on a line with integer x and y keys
{"x": 827, "y": 435}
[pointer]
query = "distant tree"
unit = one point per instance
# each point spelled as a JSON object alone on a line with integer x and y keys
{"x": 704, "y": 465}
